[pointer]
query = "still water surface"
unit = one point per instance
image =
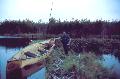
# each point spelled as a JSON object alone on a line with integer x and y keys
{"x": 112, "y": 62}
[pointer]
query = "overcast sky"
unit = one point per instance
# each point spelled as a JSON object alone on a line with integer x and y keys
{"x": 63, "y": 9}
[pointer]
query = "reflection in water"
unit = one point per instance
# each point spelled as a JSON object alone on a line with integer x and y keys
{"x": 111, "y": 62}
{"x": 14, "y": 42}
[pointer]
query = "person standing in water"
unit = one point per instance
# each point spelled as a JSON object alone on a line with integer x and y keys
{"x": 65, "y": 39}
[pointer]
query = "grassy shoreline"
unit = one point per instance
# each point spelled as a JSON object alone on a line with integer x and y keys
{"x": 83, "y": 65}
{"x": 76, "y": 66}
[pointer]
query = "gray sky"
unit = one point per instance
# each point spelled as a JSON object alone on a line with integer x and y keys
{"x": 63, "y": 9}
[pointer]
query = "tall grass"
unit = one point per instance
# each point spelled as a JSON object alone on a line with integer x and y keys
{"x": 75, "y": 66}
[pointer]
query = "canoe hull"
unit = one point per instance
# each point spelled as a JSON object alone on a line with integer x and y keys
{"x": 20, "y": 66}
{"x": 14, "y": 70}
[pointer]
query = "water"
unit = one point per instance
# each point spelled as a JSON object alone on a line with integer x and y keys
{"x": 6, "y": 53}
{"x": 8, "y": 37}
{"x": 38, "y": 75}
{"x": 8, "y": 48}
{"x": 111, "y": 62}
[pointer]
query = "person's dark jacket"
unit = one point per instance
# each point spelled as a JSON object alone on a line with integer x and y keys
{"x": 65, "y": 39}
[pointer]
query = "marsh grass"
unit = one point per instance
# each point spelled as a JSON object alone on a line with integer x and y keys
{"x": 75, "y": 66}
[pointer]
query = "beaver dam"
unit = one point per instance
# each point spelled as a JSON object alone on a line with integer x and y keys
{"x": 82, "y": 62}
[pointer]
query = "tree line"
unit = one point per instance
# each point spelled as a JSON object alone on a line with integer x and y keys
{"x": 76, "y": 28}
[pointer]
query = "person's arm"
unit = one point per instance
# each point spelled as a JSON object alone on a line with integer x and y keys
{"x": 69, "y": 42}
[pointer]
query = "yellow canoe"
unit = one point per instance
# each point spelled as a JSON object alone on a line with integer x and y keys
{"x": 31, "y": 55}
